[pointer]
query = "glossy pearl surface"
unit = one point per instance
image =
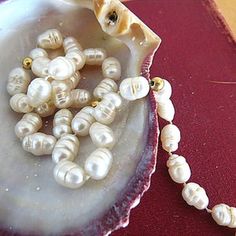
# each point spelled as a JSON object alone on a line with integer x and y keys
{"x": 46, "y": 109}
{"x": 80, "y": 97}
{"x": 71, "y": 44}
{"x": 78, "y": 57}
{"x": 38, "y": 52}
{"x": 164, "y": 93}
{"x": 74, "y": 80}
{"x": 166, "y": 110}
{"x": 111, "y": 68}
{"x": 20, "y": 103}
{"x": 95, "y": 56}
{"x": 40, "y": 66}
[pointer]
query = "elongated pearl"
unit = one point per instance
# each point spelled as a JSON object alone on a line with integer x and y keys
{"x": 69, "y": 174}
{"x": 164, "y": 93}
{"x": 104, "y": 87}
{"x": 38, "y": 52}
{"x": 170, "y": 137}
{"x": 66, "y": 148}
{"x": 179, "y": 169}
{"x": 95, "y": 56}
{"x": 195, "y": 196}
{"x": 20, "y": 103}
{"x": 80, "y": 97}
{"x": 98, "y": 163}
{"x": 83, "y": 121}
{"x": 46, "y": 109}
{"x": 50, "y": 39}
{"x": 166, "y": 110}
{"x": 134, "y": 88}
{"x": 111, "y": 68}
{"x": 29, "y": 124}
{"x": 39, "y": 144}
{"x": 18, "y": 81}
{"x": 39, "y": 92}
{"x": 62, "y": 123}
{"x": 40, "y": 66}
{"x": 74, "y": 80}
{"x": 78, "y": 57}
{"x": 71, "y": 44}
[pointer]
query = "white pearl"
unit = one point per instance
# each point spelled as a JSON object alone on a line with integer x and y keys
{"x": 179, "y": 169}
{"x": 51, "y": 39}
{"x": 80, "y": 97}
{"x": 39, "y": 92}
{"x": 195, "y": 196}
{"x": 170, "y": 137}
{"x": 71, "y": 44}
{"x": 39, "y": 144}
{"x": 62, "y": 123}
{"x": 66, "y": 148}
{"x": 18, "y": 81}
{"x": 134, "y": 88}
{"x": 78, "y": 57}
{"x": 102, "y": 135}
{"x": 29, "y": 124}
{"x": 40, "y": 66}
{"x": 224, "y": 215}
{"x": 104, "y": 87}
{"x": 61, "y": 68}
{"x": 38, "y": 52}
{"x": 69, "y": 174}
{"x": 95, "y": 56}
{"x": 166, "y": 110}
{"x": 111, "y": 68}
{"x": 74, "y": 80}
{"x": 46, "y": 109}
{"x": 83, "y": 121}
{"x": 164, "y": 93}
{"x": 98, "y": 163}
{"x": 20, "y": 103}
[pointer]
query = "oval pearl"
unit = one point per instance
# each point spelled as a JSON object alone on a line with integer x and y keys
{"x": 39, "y": 92}
{"x": 114, "y": 98}
{"x": 95, "y": 56}
{"x": 71, "y": 44}
{"x": 40, "y": 66}
{"x": 134, "y": 88}
{"x": 20, "y": 103}
{"x": 50, "y": 39}
{"x": 164, "y": 93}
{"x": 80, "y": 97}
{"x": 66, "y": 148}
{"x": 38, "y": 52}
{"x": 111, "y": 68}
{"x": 29, "y": 124}
{"x": 46, "y": 109}
{"x": 78, "y": 57}
{"x": 166, "y": 110}
{"x": 74, "y": 80}
{"x": 195, "y": 196}
{"x": 39, "y": 144}
{"x": 170, "y": 137}
{"x": 179, "y": 169}
{"x": 102, "y": 135}
{"x": 98, "y": 163}
{"x": 18, "y": 81}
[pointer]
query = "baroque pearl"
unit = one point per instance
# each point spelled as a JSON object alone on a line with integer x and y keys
{"x": 20, "y": 103}
{"x": 66, "y": 148}
{"x": 78, "y": 57}
{"x": 39, "y": 144}
{"x": 71, "y": 44}
{"x": 134, "y": 88}
{"x": 179, "y": 169}
{"x": 95, "y": 56}
{"x": 111, "y": 68}
{"x": 18, "y": 81}
{"x": 98, "y": 163}
{"x": 46, "y": 109}
{"x": 74, "y": 80}
{"x": 38, "y": 52}
{"x": 40, "y": 66}
{"x": 164, "y": 93}
{"x": 166, "y": 110}
{"x": 195, "y": 196}
{"x": 80, "y": 97}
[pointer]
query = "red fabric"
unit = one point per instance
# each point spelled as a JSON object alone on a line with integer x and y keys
{"x": 194, "y": 52}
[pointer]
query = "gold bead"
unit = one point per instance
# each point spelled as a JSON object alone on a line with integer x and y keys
{"x": 94, "y": 103}
{"x": 27, "y": 63}
{"x": 157, "y": 83}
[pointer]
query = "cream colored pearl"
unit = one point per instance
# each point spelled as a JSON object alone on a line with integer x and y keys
{"x": 98, "y": 163}
{"x": 38, "y": 52}
{"x": 80, "y": 97}
{"x": 195, "y": 196}
{"x": 18, "y": 81}
{"x": 66, "y": 148}
{"x": 179, "y": 169}
{"x": 166, "y": 110}
{"x": 170, "y": 137}
{"x": 71, "y": 44}
{"x": 40, "y": 66}
{"x": 39, "y": 92}
{"x": 39, "y": 144}
{"x": 111, "y": 68}
{"x": 46, "y": 109}
{"x": 83, "y": 121}
{"x": 164, "y": 93}
{"x": 74, "y": 80}
{"x": 69, "y": 174}
{"x": 50, "y": 39}
{"x": 20, "y": 103}
{"x": 62, "y": 123}
{"x": 95, "y": 56}
{"x": 78, "y": 57}
{"x": 29, "y": 124}
{"x": 104, "y": 87}
{"x": 134, "y": 88}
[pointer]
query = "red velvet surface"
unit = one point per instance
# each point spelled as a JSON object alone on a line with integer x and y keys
{"x": 194, "y": 52}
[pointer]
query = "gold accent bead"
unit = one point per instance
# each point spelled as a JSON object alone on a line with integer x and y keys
{"x": 27, "y": 63}
{"x": 94, "y": 103}
{"x": 157, "y": 83}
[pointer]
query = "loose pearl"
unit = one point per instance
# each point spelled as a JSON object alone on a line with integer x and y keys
{"x": 69, "y": 174}
{"x": 71, "y": 44}
{"x": 102, "y": 135}
{"x": 179, "y": 169}
{"x": 83, "y": 121}
{"x": 51, "y": 39}
{"x": 195, "y": 196}
{"x": 74, "y": 80}
{"x": 224, "y": 215}
{"x": 166, "y": 110}
{"x": 18, "y": 81}
{"x": 40, "y": 66}
{"x": 46, "y": 109}
{"x": 66, "y": 148}
{"x": 29, "y": 124}
{"x": 104, "y": 87}
{"x": 38, "y": 52}
{"x": 111, "y": 68}
{"x": 170, "y": 137}
{"x": 80, "y": 97}
{"x": 61, "y": 68}
{"x": 39, "y": 92}
{"x": 39, "y": 144}
{"x": 164, "y": 93}
{"x": 20, "y": 103}
{"x": 62, "y": 123}
{"x": 134, "y": 88}
{"x": 95, "y": 56}
{"x": 78, "y": 57}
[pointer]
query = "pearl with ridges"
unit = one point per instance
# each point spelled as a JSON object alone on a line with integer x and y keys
{"x": 78, "y": 57}
{"x": 46, "y": 109}
{"x": 95, "y": 56}
{"x": 71, "y": 44}
{"x": 38, "y": 52}
{"x": 21, "y": 103}
{"x": 80, "y": 97}
{"x": 111, "y": 68}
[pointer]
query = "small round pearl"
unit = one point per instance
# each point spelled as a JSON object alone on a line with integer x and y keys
{"x": 111, "y": 68}
{"x": 80, "y": 97}
{"x": 71, "y": 44}
{"x": 166, "y": 110}
{"x": 164, "y": 93}
{"x": 95, "y": 56}
{"x": 78, "y": 57}
{"x": 20, "y": 103}
{"x": 40, "y": 66}
{"x": 38, "y": 52}
{"x": 46, "y": 109}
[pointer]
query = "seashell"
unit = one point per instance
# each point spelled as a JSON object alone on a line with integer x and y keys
{"x": 166, "y": 110}
{"x": 77, "y": 57}
{"x": 20, "y": 103}
{"x": 80, "y": 97}
{"x": 38, "y": 52}
{"x": 40, "y": 66}
{"x": 95, "y": 56}
{"x": 111, "y": 68}
{"x": 71, "y": 44}
{"x": 46, "y": 109}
